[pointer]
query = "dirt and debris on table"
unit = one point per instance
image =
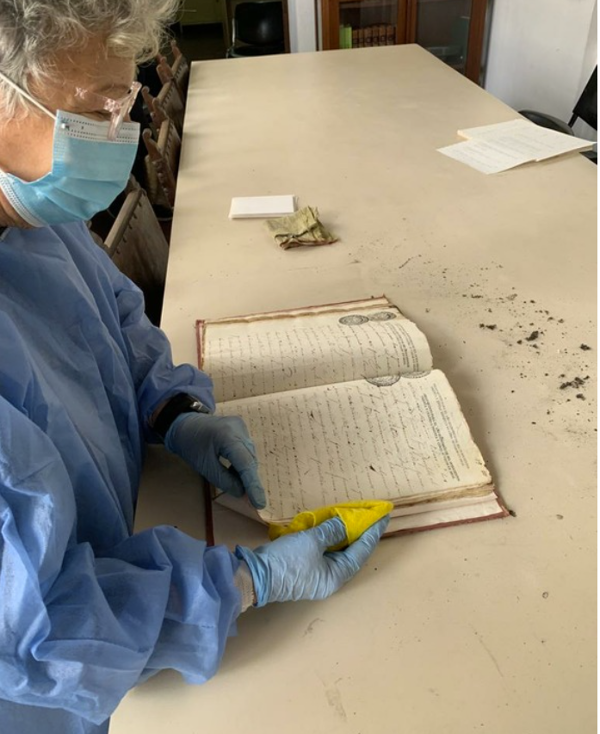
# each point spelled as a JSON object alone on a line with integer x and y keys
{"x": 522, "y": 321}
{"x": 575, "y": 382}
{"x": 530, "y": 340}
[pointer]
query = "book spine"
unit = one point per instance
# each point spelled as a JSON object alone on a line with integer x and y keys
{"x": 368, "y": 36}
{"x": 345, "y": 36}
{"x": 382, "y": 35}
{"x": 361, "y": 38}
{"x": 391, "y": 35}
{"x": 355, "y": 38}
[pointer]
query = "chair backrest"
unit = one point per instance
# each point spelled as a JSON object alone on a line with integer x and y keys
{"x": 169, "y": 100}
{"x": 139, "y": 249}
{"x": 178, "y": 68}
{"x": 166, "y": 75}
{"x": 258, "y": 23}
{"x": 168, "y": 105}
{"x": 164, "y": 71}
{"x": 586, "y": 107}
{"x": 162, "y": 164}
{"x": 157, "y": 114}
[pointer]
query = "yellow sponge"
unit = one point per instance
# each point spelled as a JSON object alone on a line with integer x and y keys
{"x": 356, "y": 516}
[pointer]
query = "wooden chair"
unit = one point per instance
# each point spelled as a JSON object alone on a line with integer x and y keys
{"x": 162, "y": 164}
{"x": 100, "y": 224}
{"x": 139, "y": 249}
{"x": 168, "y": 105}
{"x": 178, "y": 71}
{"x": 156, "y": 116}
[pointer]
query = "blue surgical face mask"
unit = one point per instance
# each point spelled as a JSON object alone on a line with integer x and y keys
{"x": 88, "y": 171}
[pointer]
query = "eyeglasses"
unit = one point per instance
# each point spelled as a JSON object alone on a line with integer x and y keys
{"x": 118, "y": 108}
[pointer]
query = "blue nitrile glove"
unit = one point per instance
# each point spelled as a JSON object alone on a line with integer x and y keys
{"x": 202, "y": 439}
{"x": 297, "y": 566}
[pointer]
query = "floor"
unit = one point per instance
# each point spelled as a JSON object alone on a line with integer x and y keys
{"x": 200, "y": 42}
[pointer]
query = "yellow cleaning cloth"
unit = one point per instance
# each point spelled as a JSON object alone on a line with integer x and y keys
{"x": 356, "y": 516}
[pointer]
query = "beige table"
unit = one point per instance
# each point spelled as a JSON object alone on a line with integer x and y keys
{"x": 482, "y": 628}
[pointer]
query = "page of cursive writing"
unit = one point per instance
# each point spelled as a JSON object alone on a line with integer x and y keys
{"x": 248, "y": 358}
{"x": 407, "y": 441}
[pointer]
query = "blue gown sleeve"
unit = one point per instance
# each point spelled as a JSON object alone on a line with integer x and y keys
{"x": 156, "y": 378}
{"x": 78, "y": 629}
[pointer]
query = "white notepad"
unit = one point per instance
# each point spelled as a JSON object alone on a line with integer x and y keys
{"x": 254, "y": 207}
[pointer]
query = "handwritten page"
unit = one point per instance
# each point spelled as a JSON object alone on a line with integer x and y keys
{"x": 247, "y": 358}
{"x": 524, "y": 138}
{"x": 406, "y": 442}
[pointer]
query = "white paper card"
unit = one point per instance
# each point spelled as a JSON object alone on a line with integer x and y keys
{"x": 255, "y": 207}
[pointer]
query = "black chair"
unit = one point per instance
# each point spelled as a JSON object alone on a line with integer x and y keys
{"x": 585, "y": 109}
{"x": 587, "y": 105}
{"x": 257, "y": 29}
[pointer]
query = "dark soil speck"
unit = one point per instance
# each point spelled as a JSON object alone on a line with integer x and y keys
{"x": 575, "y": 382}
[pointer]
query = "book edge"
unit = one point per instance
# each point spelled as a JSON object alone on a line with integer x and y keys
{"x": 232, "y": 319}
{"x": 502, "y": 513}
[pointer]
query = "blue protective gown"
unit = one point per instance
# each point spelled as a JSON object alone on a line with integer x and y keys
{"x": 87, "y": 609}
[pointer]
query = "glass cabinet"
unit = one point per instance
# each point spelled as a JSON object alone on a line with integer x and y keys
{"x": 360, "y": 23}
{"x": 453, "y": 30}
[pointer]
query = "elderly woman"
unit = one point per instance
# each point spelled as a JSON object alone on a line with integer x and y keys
{"x": 87, "y": 608}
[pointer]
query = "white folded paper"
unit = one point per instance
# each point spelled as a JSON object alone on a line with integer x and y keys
{"x": 505, "y": 145}
{"x": 484, "y": 156}
{"x": 525, "y": 138}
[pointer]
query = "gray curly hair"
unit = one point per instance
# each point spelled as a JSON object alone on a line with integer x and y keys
{"x": 31, "y": 31}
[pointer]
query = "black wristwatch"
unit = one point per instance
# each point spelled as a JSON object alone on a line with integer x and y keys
{"x": 178, "y": 404}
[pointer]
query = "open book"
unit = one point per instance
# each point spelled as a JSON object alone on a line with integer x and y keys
{"x": 342, "y": 404}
